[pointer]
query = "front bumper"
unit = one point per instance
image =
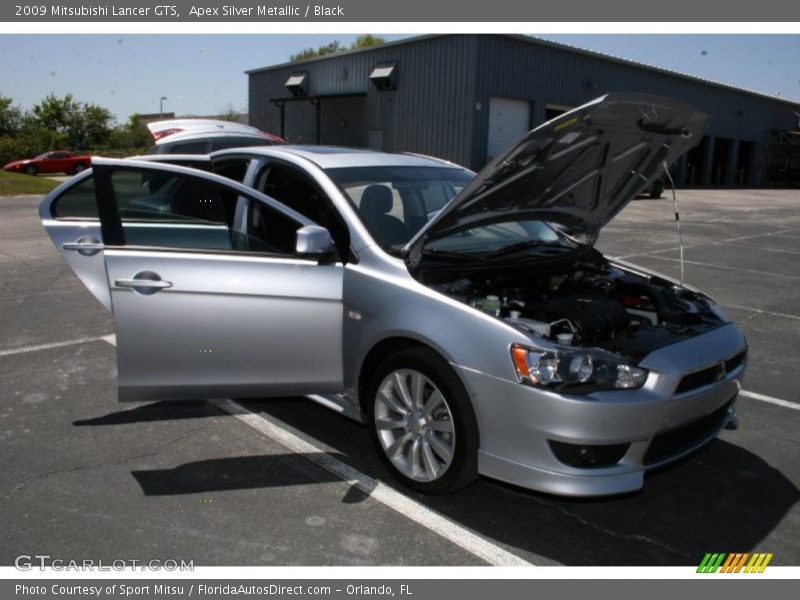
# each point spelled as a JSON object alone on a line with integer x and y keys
{"x": 517, "y": 422}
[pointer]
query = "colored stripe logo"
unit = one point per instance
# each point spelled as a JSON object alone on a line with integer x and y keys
{"x": 737, "y": 562}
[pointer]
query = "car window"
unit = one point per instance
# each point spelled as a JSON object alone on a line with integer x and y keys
{"x": 58, "y": 155}
{"x": 395, "y": 202}
{"x": 195, "y": 147}
{"x": 233, "y": 168}
{"x": 485, "y": 239}
{"x": 436, "y": 195}
{"x": 295, "y": 189}
{"x": 225, "y": 142}
{"x": 78, "y": 202}
{"x": 164, "y": 209}
{"x": 356, "y": 193}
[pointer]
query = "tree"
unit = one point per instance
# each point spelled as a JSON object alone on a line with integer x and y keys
{"x": 57, "y": 114}
{"x": 333, "y": 48}
{"x": 10, "y": 117}
{"x": 362, "y": 41}
{"x": 132, "y": 137}
{"x": 80, "y": 124}
{"x": 230, "y": 114}
{"x": 367, "y": 40}
{"x": 97, "y": 123}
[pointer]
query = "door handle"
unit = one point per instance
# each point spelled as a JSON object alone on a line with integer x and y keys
{"x": 86, "y": 247}
{"x": 144, "y": 282}
{"x": 158, "y": 284}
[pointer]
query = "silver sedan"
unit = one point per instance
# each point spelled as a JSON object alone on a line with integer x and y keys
{"x": 467, "y": 319}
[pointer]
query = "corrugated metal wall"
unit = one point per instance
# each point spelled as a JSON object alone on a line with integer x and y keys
{"x": 543, "y": 74}
{"x": 429, "y": 113}
{"x": 441, "y": 104}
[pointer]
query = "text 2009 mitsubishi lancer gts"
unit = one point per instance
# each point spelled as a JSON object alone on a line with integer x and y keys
{"x": 448, "y": 311}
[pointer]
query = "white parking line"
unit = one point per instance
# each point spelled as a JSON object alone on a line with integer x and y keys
{"x": 761, "y": 311}
{"x": 726, "y": 268}
{"x": 409, "y": 508}
{"x": 37, "y": 347}
{"x": 699, "y": 245}
{"x": 770, "y": 400}
{"x": 472, "y": 543}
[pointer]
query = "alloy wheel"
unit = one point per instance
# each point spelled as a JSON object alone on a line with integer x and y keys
{"x": 414, "y": 425}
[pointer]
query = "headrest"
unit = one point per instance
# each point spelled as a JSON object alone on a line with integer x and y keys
{"x": 377, "y": 199}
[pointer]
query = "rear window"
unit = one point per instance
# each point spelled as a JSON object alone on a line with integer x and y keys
{"x": 194, "y": 147}
{"x": 78, "y": 202}
{"x": 222, "y": 143}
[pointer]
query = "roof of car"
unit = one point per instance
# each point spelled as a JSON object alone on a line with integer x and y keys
{"x": 332, "y": 157}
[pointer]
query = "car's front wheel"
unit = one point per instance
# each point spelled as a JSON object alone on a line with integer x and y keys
{"x": 78, "y": 168}
{"x": 31, "y": 170}
{"x": 422, "y": 422}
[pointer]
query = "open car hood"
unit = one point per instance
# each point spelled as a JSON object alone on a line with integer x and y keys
{"x": 161, "y": 130}
{"x": 580, "y": 169}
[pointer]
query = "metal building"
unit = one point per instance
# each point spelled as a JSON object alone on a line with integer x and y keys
{"x": 466, "y": 97}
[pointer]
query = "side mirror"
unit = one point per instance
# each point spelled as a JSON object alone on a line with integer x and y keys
{"x": 313, "y": 241}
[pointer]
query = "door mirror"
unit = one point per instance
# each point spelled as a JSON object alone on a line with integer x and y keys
{"x": 313, "y": 241}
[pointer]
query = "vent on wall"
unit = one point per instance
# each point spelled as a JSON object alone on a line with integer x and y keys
{"x": 297, "y": 84}
{"x": 384, "y": 76}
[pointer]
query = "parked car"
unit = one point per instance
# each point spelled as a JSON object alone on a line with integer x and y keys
{"x": 58, "y": 161}
{"x": 201, "y": 136}
{"x": 479, "y": 341}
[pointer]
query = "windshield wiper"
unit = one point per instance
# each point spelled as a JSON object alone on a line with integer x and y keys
{"x": 451, "y": 255}
{"x": 522, "y": 247}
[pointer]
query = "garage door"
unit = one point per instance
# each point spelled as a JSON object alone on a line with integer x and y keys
{"x": 509, "y": 120}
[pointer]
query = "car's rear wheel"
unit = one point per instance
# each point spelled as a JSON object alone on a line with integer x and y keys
{"x": 422, "y": 422}
{"x": 31, "y": 170}
{"x": 78, "y": 168}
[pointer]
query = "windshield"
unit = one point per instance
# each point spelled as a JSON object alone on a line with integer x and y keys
{"x": 502, "y": 239}
{"x": 396, "y": 202}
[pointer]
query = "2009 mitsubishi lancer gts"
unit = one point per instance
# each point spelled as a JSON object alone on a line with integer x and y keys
{"x": 458, "y": 315}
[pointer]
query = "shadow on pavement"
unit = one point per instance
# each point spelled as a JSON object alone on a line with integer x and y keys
{"x": 157, "y": 411}
{"x": 723, "y": 498}
{"x": 237, "y": 473}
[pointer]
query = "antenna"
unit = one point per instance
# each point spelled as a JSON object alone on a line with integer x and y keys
{"x": 677, "y": 216}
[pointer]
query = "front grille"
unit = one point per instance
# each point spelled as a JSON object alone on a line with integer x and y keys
{"x": 712, "y": 374}
{"x": 735, "y": 362}
{"x": 700, "y": 379}
{"x": 676, "y": 441}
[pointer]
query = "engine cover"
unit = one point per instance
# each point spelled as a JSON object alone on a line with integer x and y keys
{"x": 593, "y": 317}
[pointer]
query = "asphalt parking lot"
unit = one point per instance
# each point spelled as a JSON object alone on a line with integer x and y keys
{"x": 286, "y": 482}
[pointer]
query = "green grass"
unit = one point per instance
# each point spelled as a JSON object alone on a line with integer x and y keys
{"x": 15, "y": 184}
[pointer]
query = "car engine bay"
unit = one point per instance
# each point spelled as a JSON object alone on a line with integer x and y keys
{"x": 583, "y": 301}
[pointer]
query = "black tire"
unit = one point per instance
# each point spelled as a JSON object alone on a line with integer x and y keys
{"x": 78, "y": 168}
{"x": 31, "y": 170}
{"x": 463, "y": 467}
{"x": 656, "y": 190}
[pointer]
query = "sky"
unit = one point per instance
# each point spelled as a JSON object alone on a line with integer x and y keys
{"x": 204, "y": 74}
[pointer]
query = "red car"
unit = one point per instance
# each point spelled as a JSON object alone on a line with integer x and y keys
{"x": 58, "y": 161}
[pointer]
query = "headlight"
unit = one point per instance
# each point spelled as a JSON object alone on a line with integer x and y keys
{"x": 575, "y": 370}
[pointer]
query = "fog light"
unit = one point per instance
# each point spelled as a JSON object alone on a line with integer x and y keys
{"x": 583, "y": 456}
